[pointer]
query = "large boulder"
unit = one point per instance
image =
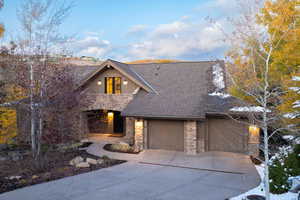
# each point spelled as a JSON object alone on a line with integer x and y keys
{"x": 83, "y": 165}
{"x": 91, "y": 161}
{"x": 76, "y": 160}
{"x": 100, "y": 161}
{"x": 15, "y": 155}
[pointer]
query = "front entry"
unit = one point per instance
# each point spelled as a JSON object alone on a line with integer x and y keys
{"x": 104, "y": 121}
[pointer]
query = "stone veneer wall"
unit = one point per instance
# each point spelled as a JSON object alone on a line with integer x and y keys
{"x": 138, "y": 136}
{"x": 107, "y": 101}
{"x": 253, "y": 144}
{"x": 129, "y": 130}
{"x": 253, "y": 149}
{"x": 190, "y": 137}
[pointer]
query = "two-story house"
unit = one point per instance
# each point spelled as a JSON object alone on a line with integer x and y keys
{"x": 181, "y": 106}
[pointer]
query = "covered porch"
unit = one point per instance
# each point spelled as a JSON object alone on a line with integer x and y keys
{"x": 104, "y": 123}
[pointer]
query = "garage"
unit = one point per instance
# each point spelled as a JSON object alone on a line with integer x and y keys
{"x": 166, "y": 134}
{"x": 227, "y": 135}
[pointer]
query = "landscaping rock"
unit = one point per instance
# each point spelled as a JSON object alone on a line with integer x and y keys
{"x": 76, "y": 160}
{"x": 84, "y": 140}
{"x": 91, "y": 161}
{"x": 15, "y": 155}
{"x": 100, "y": 161}
{"x": 3, "y": 158}
{"x": 3, "y": 146}
{"x": 83, "y": 165}
{"x": 34, "y": 177}
{"x": 124, "y": 143}
{"x": 14, "y": 177}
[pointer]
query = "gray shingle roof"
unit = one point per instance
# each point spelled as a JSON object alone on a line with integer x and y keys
{"x": 182, "y": 88}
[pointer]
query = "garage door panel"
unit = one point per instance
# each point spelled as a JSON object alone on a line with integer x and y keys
{"x": 227, "y": 135}
{"x": 165, "y": 134}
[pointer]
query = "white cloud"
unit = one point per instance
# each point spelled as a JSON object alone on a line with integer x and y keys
{"x": 90, "y": 45}
{"x": 178, "y": 39}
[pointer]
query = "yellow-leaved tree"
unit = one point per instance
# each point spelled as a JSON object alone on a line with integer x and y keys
{"x": 8, "y": 121}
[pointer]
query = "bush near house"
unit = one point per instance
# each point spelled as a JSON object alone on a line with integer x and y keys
{"x": 284, "y": 164}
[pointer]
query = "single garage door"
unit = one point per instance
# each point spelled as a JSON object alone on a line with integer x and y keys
{"x": 227, "y": 135}
{"x": 165, "y": 134}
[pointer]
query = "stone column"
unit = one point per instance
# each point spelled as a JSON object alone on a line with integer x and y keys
{"x": 145, "y": 134}
{"x": 139, "y": 135}
{"x": 190, "y": 137}
{"x": 253, "y": 141}
{"x": 201, "y": 132}
{"x": 129, "y": 130}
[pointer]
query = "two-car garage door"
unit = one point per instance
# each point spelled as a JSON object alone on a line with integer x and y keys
{"x": 165, "y": 134}
{"x": 219, "y": 135}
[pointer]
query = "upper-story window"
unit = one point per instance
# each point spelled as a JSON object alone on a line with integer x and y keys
{"x": 112, "y": 85}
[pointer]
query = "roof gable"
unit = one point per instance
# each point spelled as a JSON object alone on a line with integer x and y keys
{"x": 123, "y": 69}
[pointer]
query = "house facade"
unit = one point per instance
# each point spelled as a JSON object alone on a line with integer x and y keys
{"x": 180, "y": 106}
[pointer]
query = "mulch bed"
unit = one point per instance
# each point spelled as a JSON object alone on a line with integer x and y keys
{"x": 57, "y": 166}
{"x": 108, "y": 147}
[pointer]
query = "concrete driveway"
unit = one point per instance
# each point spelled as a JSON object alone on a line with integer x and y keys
{"x": 214, "y": 161}
{"x": 137, "y": 181}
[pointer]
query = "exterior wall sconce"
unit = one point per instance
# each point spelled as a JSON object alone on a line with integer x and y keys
{"x": 254, "y": 134}
{"x": 125, "y": 82}
{"x": 138, "y": 124}
{"x": 99, "y": 82}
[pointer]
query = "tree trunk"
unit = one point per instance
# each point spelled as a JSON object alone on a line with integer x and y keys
{"x": 266, "y": 154}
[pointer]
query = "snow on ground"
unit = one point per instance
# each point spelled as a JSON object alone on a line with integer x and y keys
{"x": 291, "y": 115}
{"x": 259, "y": 190}
{"x": 218, "y": 77}
{"x": 296, "y": 104}
{"x": 220, "y": 94}
{"x": 248, "y": 109}
{"x": 296, "y": 78}
{"x": 288, "y": 137}
{"x": 295, "y": 89}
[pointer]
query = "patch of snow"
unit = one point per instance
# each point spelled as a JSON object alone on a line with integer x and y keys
{"x": 296, "y": 104}
{"x": 218, "y": 77}
{"x": 248, "y": 109}
{"x": 296, "y": 78}
{"x": 295, "y": 89}
{"x": 291, "y": 115}
{"x": 220, "y": 94}
{"x": 259, "y": 190}
{"x": 288, "y": 137}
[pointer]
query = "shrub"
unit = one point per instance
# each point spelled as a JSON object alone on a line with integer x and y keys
{"x": 121, "y": 147}
{"x": 284, "y": 164}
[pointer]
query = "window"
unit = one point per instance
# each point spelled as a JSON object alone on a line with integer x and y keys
{"x": 112, "y": 85}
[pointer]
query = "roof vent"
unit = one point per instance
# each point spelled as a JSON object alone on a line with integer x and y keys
{"x": 157, "y": 68}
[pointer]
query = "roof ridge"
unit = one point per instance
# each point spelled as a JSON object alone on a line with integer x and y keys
{"x": 202, "y": 61}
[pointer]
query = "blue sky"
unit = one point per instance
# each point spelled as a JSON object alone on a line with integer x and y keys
{"x": 140, "y": 29}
